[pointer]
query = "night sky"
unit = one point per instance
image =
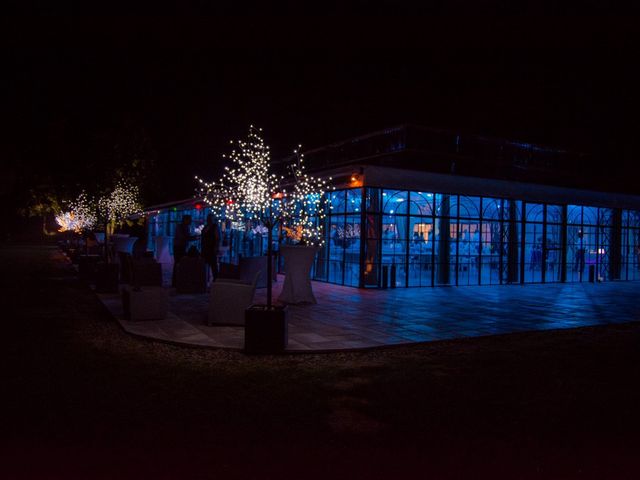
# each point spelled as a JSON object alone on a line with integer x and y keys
{"x": 68, "y": 100}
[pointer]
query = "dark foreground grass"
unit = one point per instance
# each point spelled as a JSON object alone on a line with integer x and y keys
{"x": 82, "y": 399}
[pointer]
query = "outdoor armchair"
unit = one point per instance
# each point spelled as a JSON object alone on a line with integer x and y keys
{"x": 229, "y": 300}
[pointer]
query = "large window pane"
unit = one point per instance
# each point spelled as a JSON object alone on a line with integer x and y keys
{"x": 553, "y": 253}
{"x": 533, "y": 253}
{"x": 468, "y": 252}
{"x": 337, "y": 248}
{"x": 337, "y": 201}
{"x": 352, "y": 249}
{"x": 631, "y": 245}
{"x": 554, "y": 214}
{"x": 469, "y": 207}
{"x": 394, "y": 238}
{"x": 490, "y": 249}
{"x": 590, "y": 215}
{"x": 535, "y": 212}
{"x": 421, "y": 203}
{"x": 492, "y": 208}
{"x": 354, "y": 200}
{"x": 420, "y": 251}
{"x": 574, "y": 214}
{"x": 394, "y": 202}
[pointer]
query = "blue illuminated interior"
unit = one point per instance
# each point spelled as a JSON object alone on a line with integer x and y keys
{"x": 378, "y": 237}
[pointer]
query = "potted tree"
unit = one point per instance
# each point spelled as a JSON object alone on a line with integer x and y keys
{"x": 302, "y": 223}
{"x": 114, "y": 209}
{"x": 250, "y": 191}
{"x": 79, "y": 219}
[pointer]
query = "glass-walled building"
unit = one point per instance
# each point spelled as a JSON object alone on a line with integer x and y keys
{"x": 432, "y": 218}
{"x": 162, "y": 220}
{"x": 404, "y": 238}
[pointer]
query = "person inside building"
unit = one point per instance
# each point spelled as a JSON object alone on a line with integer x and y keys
{"x": 579, "y": 254}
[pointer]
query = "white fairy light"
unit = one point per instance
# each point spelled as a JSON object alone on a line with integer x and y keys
{"x": 307, "y": 204}
{"x": 247, "y": 187}
{"x": 67, "y": 222}
{"x": 81, "y": 215}
{"x": 248, "y": 191}
{"x": 122, "y": 202}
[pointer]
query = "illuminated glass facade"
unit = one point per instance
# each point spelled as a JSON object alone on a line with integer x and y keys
{"x": 630, "y": 242}
{"x": 378, "y": 237}
{"x": 162, "y": 223}
{"x": 418, "y": 207}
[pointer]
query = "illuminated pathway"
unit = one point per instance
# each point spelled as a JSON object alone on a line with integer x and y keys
{"x": 349, "y": 318}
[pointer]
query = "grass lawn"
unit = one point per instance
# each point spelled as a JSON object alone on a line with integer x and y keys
{"x": 82, "y": 399}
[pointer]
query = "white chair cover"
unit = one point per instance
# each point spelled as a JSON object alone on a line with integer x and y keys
{"x": 297, "y": 281}
{"x": 163, "y": 254}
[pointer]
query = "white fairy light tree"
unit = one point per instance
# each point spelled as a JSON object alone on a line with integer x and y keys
{"x": 80, "y": 216}
{"x": 249, "y": 191}
{"x": 306, "y": 205}
{"x": 118, "y": 205}
{"x": 67, "y": 222}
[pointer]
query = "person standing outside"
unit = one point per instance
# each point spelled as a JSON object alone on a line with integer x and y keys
{"x": 210, "y": 240}
{"x": 181, "y": 239}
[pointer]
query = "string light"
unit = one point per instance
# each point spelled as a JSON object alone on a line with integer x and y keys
{"x": 303, "y": 220}
{"x": 248, "y": 192}
{"x": 81, "y": 215}
{"x": 121, "y": 203}
{"x": 67, "y": 222}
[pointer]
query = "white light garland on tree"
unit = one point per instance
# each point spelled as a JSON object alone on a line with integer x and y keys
{"x": 67, "y": 222}
{"x": 249, "y": 191}
{"x": 121, "y": 203}
{"x": 81, "y": 215}
{"x": 303, "y": 218}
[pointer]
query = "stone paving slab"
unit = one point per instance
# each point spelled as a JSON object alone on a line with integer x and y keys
{"x": 346, "y": 318}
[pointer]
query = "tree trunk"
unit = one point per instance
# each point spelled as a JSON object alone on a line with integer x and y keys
{"x": 269, "y": 266}
{"x": 46, "y": 232}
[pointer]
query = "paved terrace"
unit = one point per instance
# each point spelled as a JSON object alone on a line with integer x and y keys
{"x": 349, "y": 318}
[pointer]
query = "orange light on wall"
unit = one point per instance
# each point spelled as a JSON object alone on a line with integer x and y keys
{"x": 355, "y": 180}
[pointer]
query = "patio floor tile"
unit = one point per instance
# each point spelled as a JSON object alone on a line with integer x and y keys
{"x": 348, "y": 318}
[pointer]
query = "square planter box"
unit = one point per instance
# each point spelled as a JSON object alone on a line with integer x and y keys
{"x": 265, "y": 331}
{"x": 148, "y": 303}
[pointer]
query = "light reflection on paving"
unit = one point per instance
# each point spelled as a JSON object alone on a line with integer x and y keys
{"x": 348, "y": 318}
